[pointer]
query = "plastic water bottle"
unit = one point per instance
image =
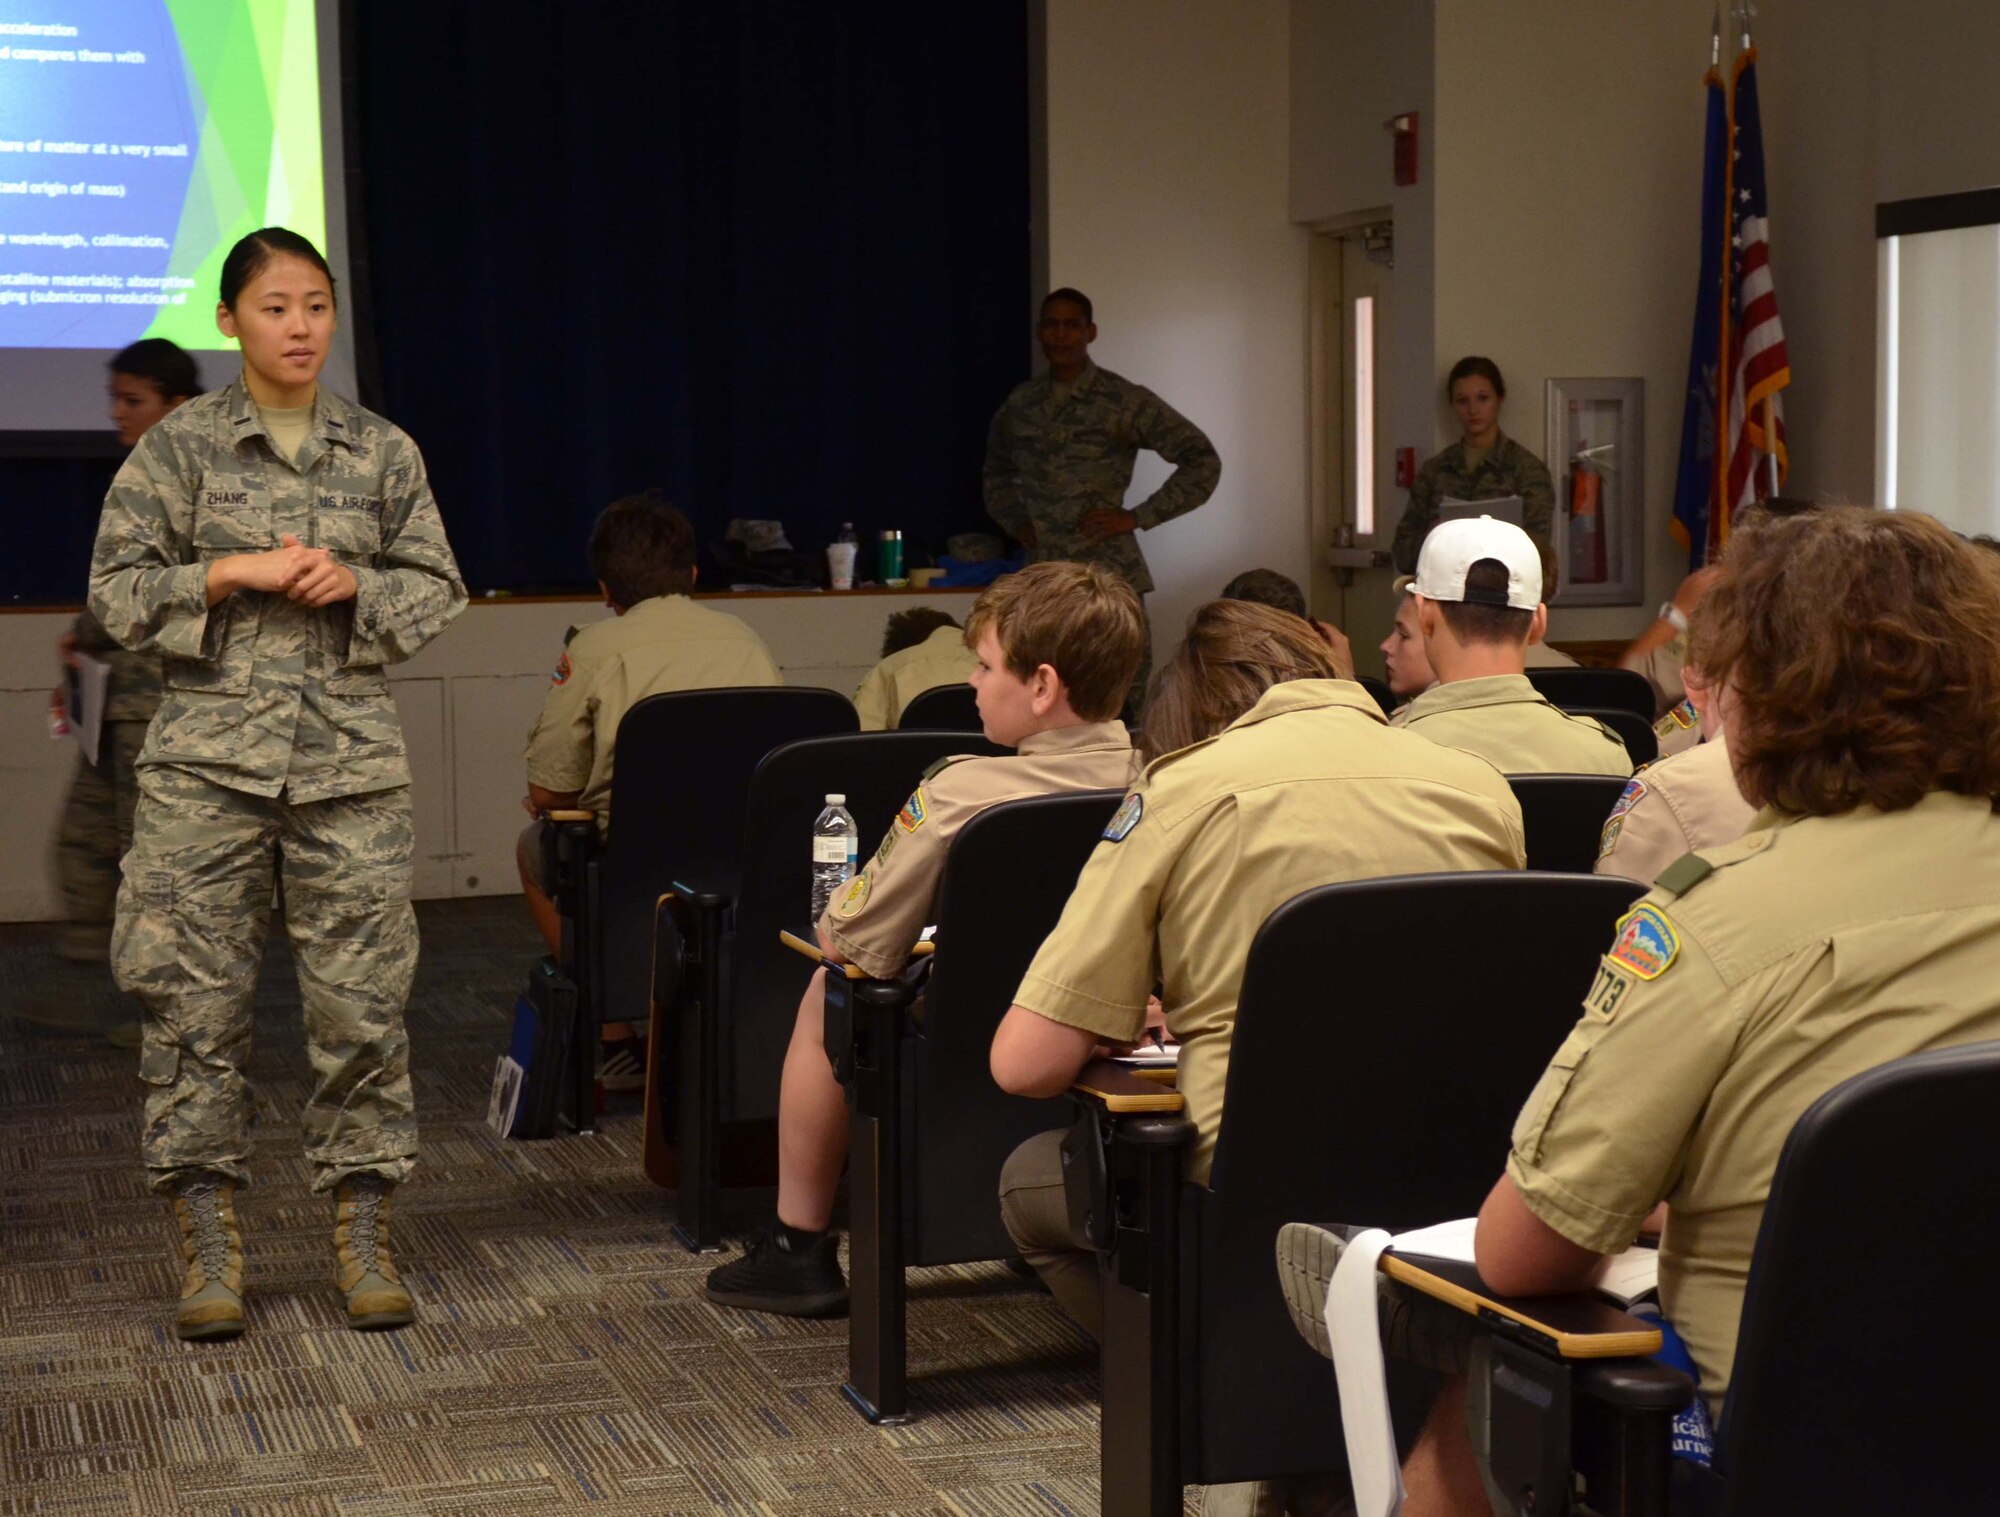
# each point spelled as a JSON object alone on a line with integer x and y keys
{"x": 836, "y": 850}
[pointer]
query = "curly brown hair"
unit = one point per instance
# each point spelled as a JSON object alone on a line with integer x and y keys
{"x": 1234, "y": 651}
{"x": 1860, "y": 652}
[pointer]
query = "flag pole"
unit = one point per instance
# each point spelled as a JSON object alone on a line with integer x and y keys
{"x": 1771, "y": 440}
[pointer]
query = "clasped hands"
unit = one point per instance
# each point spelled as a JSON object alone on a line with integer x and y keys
{"x": 310, "y": 576}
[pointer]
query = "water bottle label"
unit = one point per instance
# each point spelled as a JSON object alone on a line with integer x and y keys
{"x": 833, "y": 850}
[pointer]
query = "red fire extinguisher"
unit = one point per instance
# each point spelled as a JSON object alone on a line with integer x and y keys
{"x": 1586, "y": 521}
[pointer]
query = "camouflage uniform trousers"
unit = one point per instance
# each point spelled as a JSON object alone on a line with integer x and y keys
{"x": 192, "y": 915}
{"x": 95, "y": 832}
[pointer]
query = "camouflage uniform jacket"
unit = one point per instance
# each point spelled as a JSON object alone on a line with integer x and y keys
{"x": 265, "y": 695}
{"x": 1507, "y": 469}
{"x": 1049, "y": 462}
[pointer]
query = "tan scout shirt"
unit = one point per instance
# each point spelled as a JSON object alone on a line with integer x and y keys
{"x": 666, "y": 643}
{"x": 876, "y": 919}
{"x": 262, "y": 693}
{"x": 1514, "y": 727}
{"x": 1309, "y": 787}
{"x": 1670, "y": 808}
{"x": 1753, "y": 979}
{"x": 940, "y": 659}
{"x": 1542, "y": 656}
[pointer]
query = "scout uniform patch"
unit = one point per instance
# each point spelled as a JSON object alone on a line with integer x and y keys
{"x": 1647, "y": 943}
{"x": 1680, "y": 718}
{"x": 911, "y": 817}
{"x": 561, "y": 674}
{"x": 1125, "y": 818}
{"x": 1608, "y": 839}
{"x": 853, "y": 898}
{"x": 1628, "y": 797}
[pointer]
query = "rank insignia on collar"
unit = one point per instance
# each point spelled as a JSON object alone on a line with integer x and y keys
{"x": 1125, "y": 818}
{"x": 1647, "y": 944}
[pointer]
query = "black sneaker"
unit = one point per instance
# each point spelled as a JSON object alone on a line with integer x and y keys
{"x": 770, "y": 1277}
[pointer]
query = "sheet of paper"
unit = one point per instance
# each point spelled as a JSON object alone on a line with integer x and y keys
{"x": 1501, "y": 508}
{"x": 1628, "y": 1276}
{"x": 89, "y": 683}
{"x": 1353, "y": 1326}
{"x": 1441, "y": 1240}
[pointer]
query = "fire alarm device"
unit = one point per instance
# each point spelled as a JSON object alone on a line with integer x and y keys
{"x": 1406, "y": 468}
{"x": 1405, "y": 129}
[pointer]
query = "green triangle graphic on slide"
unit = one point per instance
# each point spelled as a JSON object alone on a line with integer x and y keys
{"x": 228, "y": 64}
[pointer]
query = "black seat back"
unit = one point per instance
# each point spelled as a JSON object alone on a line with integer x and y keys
{"x": 762, "y": 980}
{"x": 1641, "y": 742}
{"x": 1009, "y": 874}
{"x": 679, "y": 788}
{"x": 1864, "y": 1368}
{"x": 1564, "y": 816}
{"x": 1374, "y": 1088}
{"x": 1596, "y": 689}
{"x": 954, "y": 708}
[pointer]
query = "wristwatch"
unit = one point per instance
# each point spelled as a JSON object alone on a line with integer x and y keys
{"x": 1669, "y": 612}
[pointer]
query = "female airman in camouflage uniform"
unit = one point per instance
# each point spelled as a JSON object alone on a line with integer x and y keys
{"x": 278, "y": 546}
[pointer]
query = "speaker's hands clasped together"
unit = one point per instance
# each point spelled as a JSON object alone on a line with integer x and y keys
{"x": 308, "y": 575}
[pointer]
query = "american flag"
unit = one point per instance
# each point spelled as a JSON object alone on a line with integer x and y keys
{"x": 1759, "y": 365}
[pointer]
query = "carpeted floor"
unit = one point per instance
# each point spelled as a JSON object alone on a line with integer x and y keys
{"x": 564, "y": 1358}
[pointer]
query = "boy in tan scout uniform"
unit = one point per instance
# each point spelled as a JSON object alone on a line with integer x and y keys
{"x": 1478, "y": 602}
{"x": 1856, "y": 922}
{"x": 922, "y": 648}
{"x": 658, "y": 639}
{"x": 1291, "y": 779}
{"x": 642, "y": 552}
{"x": 1676, "y": 805}
{"x": 1058, "y": 644}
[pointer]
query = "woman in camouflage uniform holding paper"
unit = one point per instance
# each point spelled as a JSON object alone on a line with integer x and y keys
{"x": 278, "y": 546}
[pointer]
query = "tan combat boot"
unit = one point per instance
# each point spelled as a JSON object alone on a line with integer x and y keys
{"x": 364, "y": 1269}
{"x": 212, "y": 1247}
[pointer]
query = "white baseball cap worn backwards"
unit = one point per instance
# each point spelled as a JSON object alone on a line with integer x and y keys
{"x": 1453, "y": 547}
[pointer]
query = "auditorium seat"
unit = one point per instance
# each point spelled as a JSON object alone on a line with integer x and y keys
{"x": 1389, "y": 1109}
{"x": 719, "y": 1041}
{"x": 931, "y": 1130}
{"x": 953, "y": 707}
{"x": 1596, "y": 689}
{"x": 1863, "y": 1378}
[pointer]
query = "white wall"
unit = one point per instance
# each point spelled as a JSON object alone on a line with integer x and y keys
{"x": 1568, "y": 195}
{"x": 1167, "y": 189}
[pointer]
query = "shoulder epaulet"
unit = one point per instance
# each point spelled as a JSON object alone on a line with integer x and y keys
{"x": 1681, "y": 876}
{"x": 945, "y": 763}
{"x": 569, "y": 636}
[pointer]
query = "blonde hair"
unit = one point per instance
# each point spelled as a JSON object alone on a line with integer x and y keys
{"x": 1082, "y": 621}
{"x": 1233, "y": 652}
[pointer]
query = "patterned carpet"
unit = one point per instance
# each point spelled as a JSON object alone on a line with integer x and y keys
{"x": 564, "y": 1359}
